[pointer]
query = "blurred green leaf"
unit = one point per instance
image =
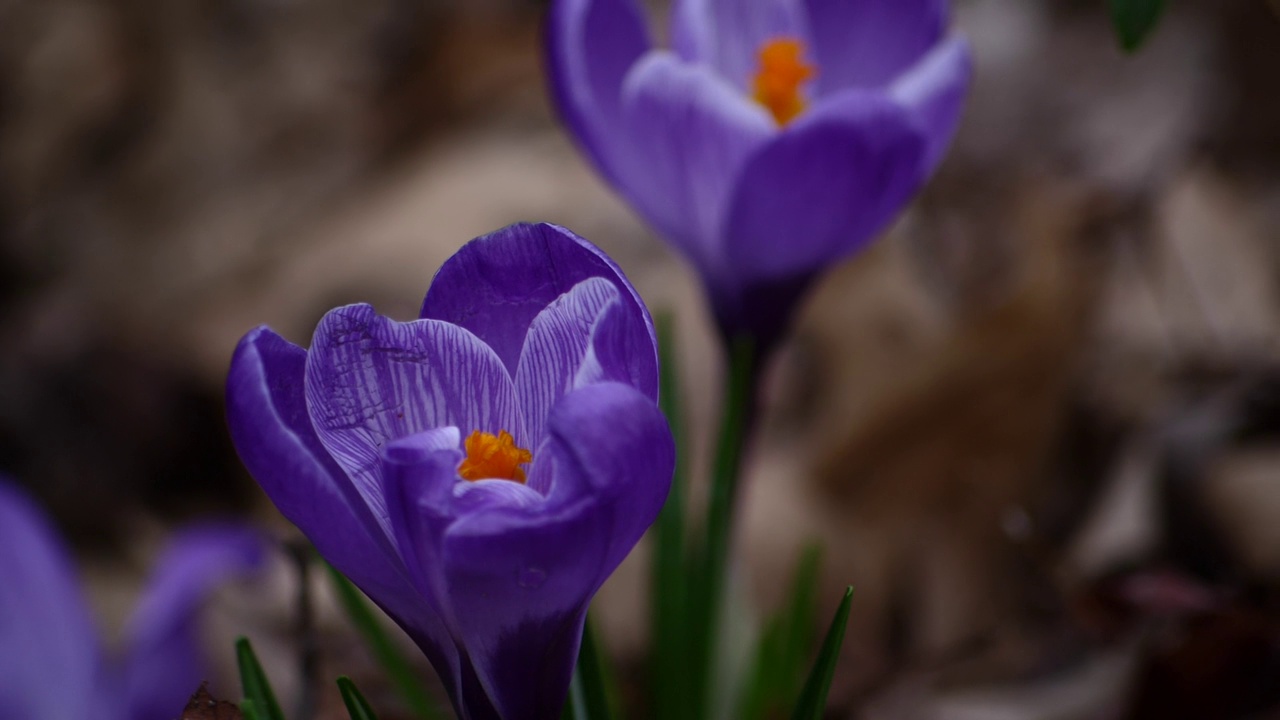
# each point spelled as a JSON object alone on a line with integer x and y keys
{"x": 813, "y": 699}
{"x": 589, "y": 690}
{"x": 575, "y": 706}
{"x": 258, "y": 696}
{"x": 1134, "y": 20}
{"x": 384, "y": 649}
{"x": 357, "y": 707}
{"x": 247, "y": 710}
{"x": 591, "y": 670}
{"x": 670, "y": 656}
{"x": 779, "y": 669}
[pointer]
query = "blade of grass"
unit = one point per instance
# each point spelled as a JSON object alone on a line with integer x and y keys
{"x": 813, "y": 699}
{"x": 357, "y": 707}
{"x": 247, "y": 710}
{"x": 386, "y": 652}
{"x": 254, "y": 684}
{"x": 670, "y": 652}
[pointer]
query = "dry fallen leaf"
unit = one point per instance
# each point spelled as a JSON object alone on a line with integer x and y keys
{"x": 203, "y": 706}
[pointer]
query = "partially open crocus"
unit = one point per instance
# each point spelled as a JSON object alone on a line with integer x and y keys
{"x": 52, "y": 664}
{"x": 479, "y": 471}
{"x": 775, "y": 137}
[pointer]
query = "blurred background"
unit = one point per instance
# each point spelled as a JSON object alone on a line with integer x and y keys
{"x": 1037, "y": 426}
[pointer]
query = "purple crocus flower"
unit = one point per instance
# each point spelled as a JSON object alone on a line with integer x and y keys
{"x": 52, "y": 665}
{"x": 775, "y": 137}
{"x": 480, "y": 471}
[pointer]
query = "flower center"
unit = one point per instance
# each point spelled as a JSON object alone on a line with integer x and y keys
{"x": 777, "y": 83}
{"x": 493, "y": 457}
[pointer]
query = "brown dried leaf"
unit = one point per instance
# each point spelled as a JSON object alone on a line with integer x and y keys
{"x": 203, "y": 706}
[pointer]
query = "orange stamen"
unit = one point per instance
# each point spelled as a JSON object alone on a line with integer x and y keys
{"x": 493, "y": 457}
{"x": 782, "y": 71}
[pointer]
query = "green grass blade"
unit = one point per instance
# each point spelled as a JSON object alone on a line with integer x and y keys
{"x": 384, "y": 649}
{"x": 357, "y": 707}
{"x": 813, "y": 699}
{"x": 247, "y": 710}
{"x": 255, "y": 686}
{"x": 1134, "y": 20}
{"x": 669, "y": 654}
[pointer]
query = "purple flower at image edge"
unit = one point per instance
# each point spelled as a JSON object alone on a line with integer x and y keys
{"x": 773, "y": 139}
{"x": 52, "y": 663}
{"x": 477, "y": 472}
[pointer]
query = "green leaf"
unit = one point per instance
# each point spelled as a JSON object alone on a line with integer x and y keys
{"x": 247, "y": 710}
{"x": 813, "y": 699}
{"x": 357, "y": 707}
{"x": 1134, "y": 20}
{"x": 670, "y": 656}
{"x": 575, "y": 706}
{"x": 589, "y": 690}
{"x": 380, "y": 643}
{"x": 255, "y": 686}
{"x": 782, "y": 653}
{"x": 591, "y": 671}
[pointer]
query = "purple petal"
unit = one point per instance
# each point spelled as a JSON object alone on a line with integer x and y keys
{"x": 497, "y": 284}
{"x": 521, "y": 574}
{"x": 164, "y": 660}
{"x": 613, "y": 446}
{"x": 50, "y": 666}
{"x": 271, "y": 428}
{"x": 697, "y": 131}
{"x": 270, "y": 425}
{"x": 418, "y": 475}
{"x": 867, "y": 43}
{"x": 823, "y": 188}
{"x": 554, "y": 350}
{"x": 591, "y": 44}
{"x": 619, "y": 353}
{"x": 728, "y": 34}
{"x": 371, "y": 380}
{"x": 494, "y": 497}
{"x": 521, "y": 597}
{"x": 935, "y": 90}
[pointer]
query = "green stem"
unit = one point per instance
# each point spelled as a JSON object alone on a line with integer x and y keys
{"x": 669, "y": 600}
{"x": 735, "y": 425}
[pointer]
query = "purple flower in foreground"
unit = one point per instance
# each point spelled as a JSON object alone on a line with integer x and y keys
{"x": 480, "y": 471}
{"x": 776, "y": 137}
{"x": 52, "y": 666}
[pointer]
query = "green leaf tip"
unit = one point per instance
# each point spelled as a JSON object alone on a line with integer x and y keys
{"x": 258, "y": 696}
{"x": 813, "y": 699}
{"x": 1134, "y": 20}
{"x": 357, "y": 707}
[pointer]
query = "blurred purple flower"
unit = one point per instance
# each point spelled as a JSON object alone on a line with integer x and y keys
{"x": 480, "y": 471}
{"x": 775, "y": 138}
{"x": 52, "y": 664}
